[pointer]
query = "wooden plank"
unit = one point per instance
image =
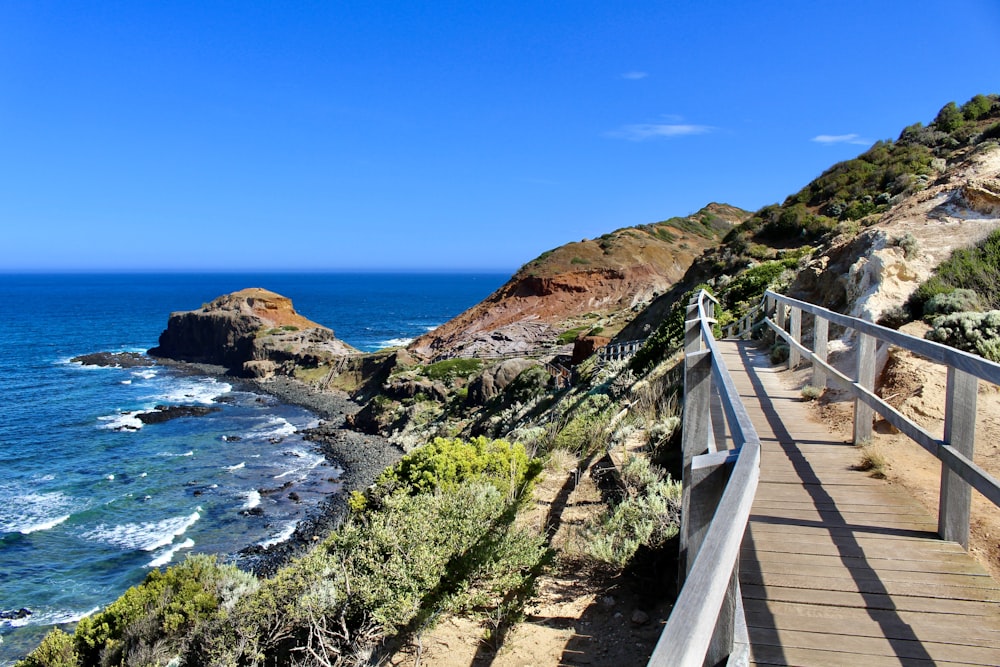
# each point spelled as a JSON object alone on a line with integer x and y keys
{"x": 864, "y": 646}
{"x": 766, "y": 654}
{"x": 892, "y": 588}
{"x": 755, "y": 593}
{"x": 944, "y": 563}
{"x": 944, "y": 628}
{"x": 862, "y": 570}
{"x": 867, "y": 549}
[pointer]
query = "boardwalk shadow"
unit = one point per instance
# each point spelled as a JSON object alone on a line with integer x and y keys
{"x": 899, "y": 634}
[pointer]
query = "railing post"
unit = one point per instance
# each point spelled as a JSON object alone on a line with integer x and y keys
{"x": 866, "y": 378}
{"x": 821, "y": 332}
{"x": 795, "y": 328}
{"x": 959, "y": 432}
{"x": 695, "y": 418}
{"x": 779, "y": 314}
{"x": 709, "y": 476}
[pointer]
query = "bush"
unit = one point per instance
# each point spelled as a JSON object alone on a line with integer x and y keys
{"x": 584, "y": 430}
{"x": 647, "y": 515}
{"x": 449, "y": 369}
{"x": 894, "y": 317}
{"x": 978, "y": 333}
{"x": 956, "y": 301}
{"x": 976, "y": 269}
{"x": 446, "y": 464}
{"x": 56, "y": 650}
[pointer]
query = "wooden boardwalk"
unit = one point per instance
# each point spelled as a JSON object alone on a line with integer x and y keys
{"x": 838, "y": 568}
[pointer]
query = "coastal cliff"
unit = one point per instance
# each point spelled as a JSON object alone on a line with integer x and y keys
{"x": 253, "y": 332}
{"x": 593, "y": 283}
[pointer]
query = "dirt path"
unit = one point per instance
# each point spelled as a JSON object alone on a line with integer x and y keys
{"x": 579, "y": 616}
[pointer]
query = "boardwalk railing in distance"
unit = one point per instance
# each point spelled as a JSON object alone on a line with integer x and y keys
{"x": 959, "y": 475}
{"x": 707, "y": 625}
{"x": 619, "y": 351}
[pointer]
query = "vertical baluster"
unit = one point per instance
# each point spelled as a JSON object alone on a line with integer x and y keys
{"x": 820, "y": 334}
{"x": 959, "y": 432}
{"x": 866, "y": 378}
{"x": 795, "y": 328}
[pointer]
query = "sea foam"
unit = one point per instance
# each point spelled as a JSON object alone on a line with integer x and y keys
{"x": 28, "y": 513}
{"x": 168, "y": 555}
{"x": 147, "y": 536}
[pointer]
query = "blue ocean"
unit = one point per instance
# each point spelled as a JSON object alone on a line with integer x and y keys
{"x": 88, "y": 502}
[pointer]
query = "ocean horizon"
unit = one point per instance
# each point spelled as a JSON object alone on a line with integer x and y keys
{"x": 92, "y": 498}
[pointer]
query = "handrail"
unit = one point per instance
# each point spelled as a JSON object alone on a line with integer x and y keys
{"x": 705, "y": 623}
{"x": 954, "y": 450}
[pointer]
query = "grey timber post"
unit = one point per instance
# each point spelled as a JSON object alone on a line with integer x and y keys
{"x": 779, "y": 315}
{"x": 960, "y": 433}
{"x": 863, "y": 413}
{"x": 695, "y": 419}
{"x": 795, "y": 328}
{"x": 709, "y": 476}
{"x": 821, "y": 332}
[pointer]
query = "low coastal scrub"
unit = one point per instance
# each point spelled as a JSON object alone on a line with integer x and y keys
{"x": 436, "y": 534}
{"x": 975, "y": 269}
{"x": 647, "y": 514}
{"x": 978, "y": 333}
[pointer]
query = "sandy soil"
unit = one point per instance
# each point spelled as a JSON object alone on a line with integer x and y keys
{"x": 917, "y": 388}
{"x": 577, "y": 617}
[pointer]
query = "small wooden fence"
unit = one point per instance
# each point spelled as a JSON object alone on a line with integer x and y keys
{"x": 959, "y": 475}
{"x": 707, "y": 625}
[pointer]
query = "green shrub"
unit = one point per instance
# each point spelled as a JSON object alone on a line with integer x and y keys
{"x": 647, "y": 515}
{"x": 779, "y": 353}
{"x": 56, "y": 650}
{"x": 584, "y": 430}
{"x": 976, "y": 269}
{"x": 449, "y": 369}
{"x": 978, "y": 333}
{"x": 446, "y": 464}
{"x": 909, "y": 245}
{"x": 157, "y": 619}
{"x": 567, "y": 337}
{"x": 956, "y": 301}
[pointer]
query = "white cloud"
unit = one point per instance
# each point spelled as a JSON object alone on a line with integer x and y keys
{"x": 634, "y": 76}
{"x": 647, "y": 131}
{"x": 842, "y": 139}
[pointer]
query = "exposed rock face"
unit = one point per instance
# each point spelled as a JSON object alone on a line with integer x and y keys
{"x": 493, "y": 380}
{"x": 617, "y": 272}
{"x": 252, "y": 325}
{"x": 585, "y": 346}
{"x": 878, "y": 269}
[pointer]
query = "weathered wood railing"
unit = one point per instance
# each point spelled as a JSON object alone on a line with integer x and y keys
{"x": 959, "y": 474}
{"x": 707, "y": 626}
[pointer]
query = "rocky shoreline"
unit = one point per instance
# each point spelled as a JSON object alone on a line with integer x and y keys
{"x": 362, "y": 457}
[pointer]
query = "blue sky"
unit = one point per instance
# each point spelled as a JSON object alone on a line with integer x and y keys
{"x": 438, "y": 135}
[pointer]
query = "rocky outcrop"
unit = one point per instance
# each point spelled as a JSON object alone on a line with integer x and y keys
{"x": 585, "y": 346}
{"x": 492, "y": 381}
{"x": 884, "y": 264}
{"x": 115, "y": 359}
{"x": 243, "y": 329}
{"x": 616, "y": 273}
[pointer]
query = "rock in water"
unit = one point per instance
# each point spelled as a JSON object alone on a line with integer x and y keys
{"x": 118, "y": 359}
{"x": 252, "y": 325}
